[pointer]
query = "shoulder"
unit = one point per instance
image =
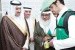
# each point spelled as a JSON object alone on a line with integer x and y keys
{"x": 72, "y": 18}
{"x": 4, "y": 18}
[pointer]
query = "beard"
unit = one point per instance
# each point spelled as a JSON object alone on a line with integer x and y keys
{"x": 45, "y": 23}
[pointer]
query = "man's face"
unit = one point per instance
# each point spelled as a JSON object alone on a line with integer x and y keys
{"x": 54, "y": 9}
{"x": 18, "y": 11}
{"x": 27, "y": 13}
{"x": 45, "y": 17}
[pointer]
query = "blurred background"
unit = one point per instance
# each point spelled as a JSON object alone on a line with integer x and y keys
{"x": 34, "y": 4}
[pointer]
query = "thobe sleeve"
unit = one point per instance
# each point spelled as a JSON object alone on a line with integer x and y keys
{"x": 32, "y": 29}
{"x": 26, "y": 43}
{"x": 69, "y": 42}
{"x": 31, "y": 33}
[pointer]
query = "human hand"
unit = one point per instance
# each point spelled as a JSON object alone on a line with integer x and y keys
{"x": 32, "y": 39}
{"x": 46, "y": 38}
{"x": 51, "y": 42}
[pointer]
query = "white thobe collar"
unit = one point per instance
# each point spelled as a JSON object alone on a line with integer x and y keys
{"x": 28, "y": 19}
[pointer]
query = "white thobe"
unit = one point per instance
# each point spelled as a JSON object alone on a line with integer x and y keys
{"x": 69, "y": 42}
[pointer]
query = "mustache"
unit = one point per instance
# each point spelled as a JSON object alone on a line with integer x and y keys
{"x": 18, "y": 12}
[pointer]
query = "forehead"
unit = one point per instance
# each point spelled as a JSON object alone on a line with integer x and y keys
{"x": 17, "y": 6}
{"x": 45, "y": 14}
{"x": 27, "y": 10}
